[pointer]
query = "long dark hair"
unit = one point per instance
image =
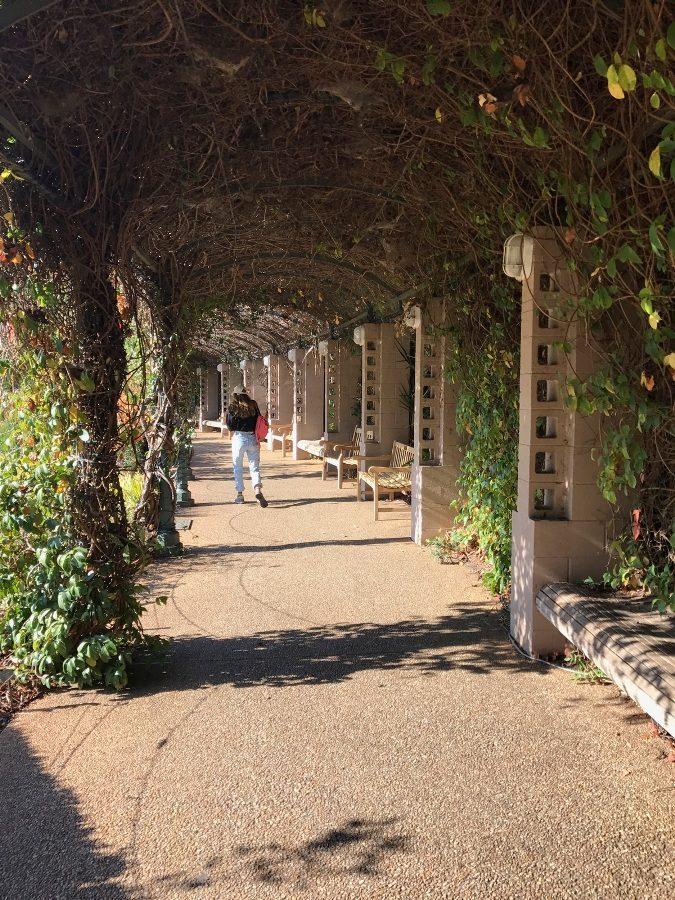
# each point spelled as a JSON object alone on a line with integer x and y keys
{"x": 243, "y": 407}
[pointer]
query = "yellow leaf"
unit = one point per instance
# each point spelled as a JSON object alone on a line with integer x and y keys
{"x": 9, "y": 217}
{"x": 647, "y": 381}
{"x": 669, "y": 360}
{"x": 438, "y": 114}
{"x": 30, "y": 252}
{"x": 616, "y": 90}
{"x": 654, "y": 320}
{"x": 655, "y": 161}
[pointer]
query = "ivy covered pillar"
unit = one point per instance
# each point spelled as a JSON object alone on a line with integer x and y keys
{"x": 436, "y": 442}
{"x": 561, "y": 522}
{"x": 308, "y": 394}
{"x": 385, "y": 385}
{"x": 279, "y": 392}
{"x": 342, "y": 388}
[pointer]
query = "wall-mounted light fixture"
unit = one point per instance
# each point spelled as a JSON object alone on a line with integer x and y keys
{"x": 412, "y": 317}
{"x": 518, "y": 255}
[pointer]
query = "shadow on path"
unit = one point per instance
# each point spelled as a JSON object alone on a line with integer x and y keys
{"x": 471, "y": 640}
{"x": 357, "y": 847}
{"x": 46, "y": 849}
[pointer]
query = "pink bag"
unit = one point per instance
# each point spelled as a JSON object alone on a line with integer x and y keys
{"x": 261, "y": 428}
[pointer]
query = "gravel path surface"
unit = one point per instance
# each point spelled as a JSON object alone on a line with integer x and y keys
{"x": 341, "y": 717}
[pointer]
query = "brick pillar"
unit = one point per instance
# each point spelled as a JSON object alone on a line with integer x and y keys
{"x": 279, "y": 392}
{"x": 385, "y": 375}
{"x": 308, "y": 393}
{"x": 560, "y": 524}
{"x": 342, "y": 388}
{"x": 437, "y": 449}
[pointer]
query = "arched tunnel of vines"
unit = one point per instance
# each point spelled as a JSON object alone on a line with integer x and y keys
{"x": 186, "y": 182}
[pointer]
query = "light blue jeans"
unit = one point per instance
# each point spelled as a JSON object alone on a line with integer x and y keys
{"x": 244, "y": 442}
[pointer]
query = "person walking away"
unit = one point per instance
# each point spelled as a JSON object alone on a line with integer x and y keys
{"x": 241, "y": 418}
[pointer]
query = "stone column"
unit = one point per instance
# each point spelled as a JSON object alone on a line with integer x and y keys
{"x": 201, "y": 413}
{"x": 246, "y": 374}
{"x": 385, "y": 378}
{"x": 212, "y": 406}
{"x": 308, "y": 393}
{"x": 342, "y": 389}
{"x": 437, "y": 450}
{"x": 259, "y": 383}
{"x": 279, "y": 392}
{"x": 224, "y": 370}
{"x": 560, "y": 525}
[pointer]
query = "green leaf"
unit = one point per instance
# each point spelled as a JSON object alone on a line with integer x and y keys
{"x": 671, "y": 240}
{"x": 655, "y": 240}
{"x": 627, "y": 78}
{"x": 600, "y": 65}
{"x": 670, "y": 35}
{"x": 655, "y": 101}
{"x": 438, "y": 7}
{"x": 627, "y": 254}
{"x": 660, "y": 49}
{"x": 540, "y": 137}
{"x": 86, "y": 382}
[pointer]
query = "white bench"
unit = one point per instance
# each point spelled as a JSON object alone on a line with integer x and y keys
{"x": 628, "y": 640}
{"x": 314, "y": 448}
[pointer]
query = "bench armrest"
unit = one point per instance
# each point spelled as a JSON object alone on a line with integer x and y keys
{"x": 341, "y": 446}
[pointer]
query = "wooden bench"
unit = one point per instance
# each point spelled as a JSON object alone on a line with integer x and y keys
{"x": 391, "y": 479}
{"x": 280, "y": 434}
{"x": 342, "y": 456}
{"x": 628, "y": 640}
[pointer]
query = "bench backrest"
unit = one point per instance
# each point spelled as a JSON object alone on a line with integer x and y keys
{"x": 401, "y": 455}
{"x": 356, "y": 439}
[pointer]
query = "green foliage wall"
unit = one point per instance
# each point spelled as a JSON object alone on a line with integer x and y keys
{"x": 484, "y": 364}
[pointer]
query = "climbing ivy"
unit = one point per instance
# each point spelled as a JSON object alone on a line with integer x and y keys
{"x": 483, "y": 365}
{"x": 60, "y": 619}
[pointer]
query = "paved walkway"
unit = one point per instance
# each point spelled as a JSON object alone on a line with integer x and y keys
{"x": 342, "y": 717}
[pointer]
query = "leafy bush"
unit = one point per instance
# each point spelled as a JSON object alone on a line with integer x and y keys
{"x": 485, "y": 368}
{"x": 59, "y": 618}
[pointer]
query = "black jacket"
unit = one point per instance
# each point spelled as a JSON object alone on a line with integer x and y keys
{"x": 242, "y": 423}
